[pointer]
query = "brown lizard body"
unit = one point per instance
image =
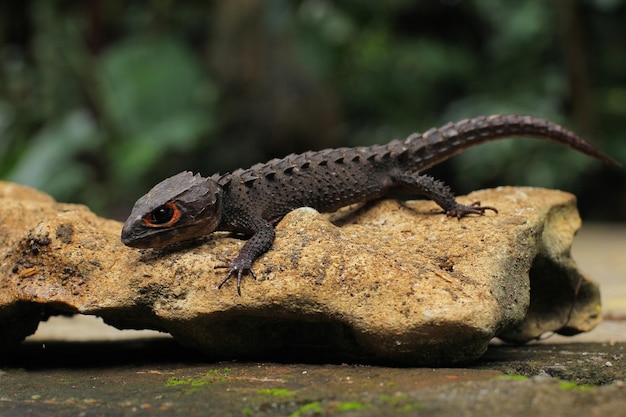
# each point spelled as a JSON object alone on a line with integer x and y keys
{"x": 253, "y": 200}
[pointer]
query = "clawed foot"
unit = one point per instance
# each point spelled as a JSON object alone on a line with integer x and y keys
{"x": 236, "y": 268}
{"x": 475, "y": 208}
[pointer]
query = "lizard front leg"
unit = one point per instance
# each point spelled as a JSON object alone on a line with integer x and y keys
{"x": 440, "y": 193}
{"x": 260, "y": 242}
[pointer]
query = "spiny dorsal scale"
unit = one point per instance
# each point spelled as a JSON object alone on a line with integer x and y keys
{"x": 301, "y": 159}
{"x": 282, "y": 165}
{"x": 248, "y": 176}
{"x": 238, "y": 172}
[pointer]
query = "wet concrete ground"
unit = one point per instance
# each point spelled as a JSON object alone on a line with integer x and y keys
{"x": 158, "y": 377}
{"x": 77, "y": 367}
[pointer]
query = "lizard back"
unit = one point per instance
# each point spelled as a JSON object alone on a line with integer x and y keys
{"x": 332, "y": 178}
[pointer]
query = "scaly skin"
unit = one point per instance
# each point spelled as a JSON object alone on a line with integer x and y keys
{"x": 253, "y": 200}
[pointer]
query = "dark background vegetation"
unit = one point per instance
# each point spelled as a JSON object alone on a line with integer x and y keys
{"x": 101, "y": 99}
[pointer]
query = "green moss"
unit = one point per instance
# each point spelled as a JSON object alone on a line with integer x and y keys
{"x": 219, "y": 375}
{"x": 310, "y": 408}
{"x": 276, "y": 392}
{"x": 351, "y": 406}
{"x": 219, "y": 372}
{"x": 512, "y": 377}
{"x": 570, "y": 385}
{"x": 176, "y": 382}
{"x": 411, "y": 406}
{"x": 395, "y": 399}
{"x": 214, "y": 375}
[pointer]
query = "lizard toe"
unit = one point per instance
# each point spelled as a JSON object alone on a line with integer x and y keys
{"x": 460, "y": 210}
{"x": 236, "y": 269}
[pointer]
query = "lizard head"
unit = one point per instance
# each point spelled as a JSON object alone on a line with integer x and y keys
{"x": 179, "y": 208}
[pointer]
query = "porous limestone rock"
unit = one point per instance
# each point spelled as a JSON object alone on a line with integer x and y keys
{"x": 392, "y": 281}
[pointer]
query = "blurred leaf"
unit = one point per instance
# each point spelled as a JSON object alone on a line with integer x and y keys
{"x": 49, "y": 164}
{"x": 61, "y": 57}
{"x": 7, "y": 117}
{"x": 614, "y": 100}
{"x": 156, "y": 97}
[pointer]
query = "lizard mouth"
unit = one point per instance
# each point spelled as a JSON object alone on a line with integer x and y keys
{"x": 160, "y": 237}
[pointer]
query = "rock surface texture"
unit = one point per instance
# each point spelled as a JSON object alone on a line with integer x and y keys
{"x": 392, "y": 281}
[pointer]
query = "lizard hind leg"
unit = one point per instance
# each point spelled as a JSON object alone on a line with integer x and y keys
{"x": 440, "y": 193}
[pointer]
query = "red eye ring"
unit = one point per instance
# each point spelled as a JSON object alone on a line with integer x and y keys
{"x": 171, "y": 212}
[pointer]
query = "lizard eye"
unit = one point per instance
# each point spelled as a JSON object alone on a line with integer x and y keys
{"x": 163, "y": 216}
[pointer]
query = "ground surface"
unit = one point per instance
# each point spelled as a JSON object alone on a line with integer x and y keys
{"x": 80, "y": 367}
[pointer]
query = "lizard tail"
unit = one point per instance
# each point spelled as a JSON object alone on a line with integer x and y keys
{"x": 438, "y": 144}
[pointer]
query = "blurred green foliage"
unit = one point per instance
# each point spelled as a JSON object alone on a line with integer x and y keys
{"x": 100, "y": 100}
{"x": 157, "y": 98}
